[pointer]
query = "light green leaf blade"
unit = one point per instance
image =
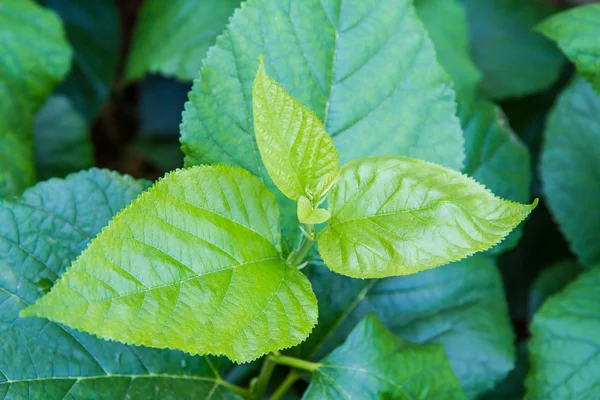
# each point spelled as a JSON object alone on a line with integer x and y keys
{"x": 333, "y": 50}
{"x": 398, "y": 215}
{"x": 446, "y": 22}
{"x": 496, "y": 157}
{"x": 28, "y": 34}
{"x": 94, "y": 30}
{"x": 309, "y": 215}
{"x": 569, "y": 168}
{"x": 515, "y": 61}
{"x": 564, "y": 349}
{"x": 295, "y": 149}
{"x": 61, "y": 139}
{"x": 450, "y": 305}
{"x": 40, "y": 235}
{"x": 174, "y": 269}
{"x": 576, "y": 33}
{"x": 373, "y": 363}
{"x": 551, "y": 281}
{"x": 171, "y": 37}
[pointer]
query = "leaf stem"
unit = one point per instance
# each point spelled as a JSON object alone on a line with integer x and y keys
{"x": 307, "y": 239}
{"x": 294, "y": 362}
{"x": 260, "y": 385}
{"x": 289, "y": 380}
{"x": 243, "y": 392}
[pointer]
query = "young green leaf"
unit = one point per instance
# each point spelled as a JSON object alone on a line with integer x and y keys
{"x": 61, "y": 139}
{"x": 398, "y": 215}
{"x": 514, "y": 60}
{"x": 569, "y": 168}
{"x": 296, "y": 150}
{"x": 375, "y": 364}
{"x": 171, "y": 37}
{"x": 496, "y": 157}
{"x": 576, "y": 32}
{"x": 193, "y": 264}
{"x": 366, "y": 68}
{"x": 307, "y": 214}
{"x": 564, "y": 349}
{"x": 451, "y": 306}
{"x": 94, "y": 30}
{"x": 40, "y": 235}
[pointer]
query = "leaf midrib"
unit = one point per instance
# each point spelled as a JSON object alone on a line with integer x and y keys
{"x": 149, "y": 289}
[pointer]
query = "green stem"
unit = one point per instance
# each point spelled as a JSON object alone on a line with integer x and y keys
{"x": 289, "y": 380}
{"x": 297, "y": 256}
{"x": 263, "y": 377}
{"x": 244, "y": 393}
{"x": 295, "y": 362}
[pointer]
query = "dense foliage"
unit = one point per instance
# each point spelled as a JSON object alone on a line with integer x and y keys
{"x": 345, "y": 218}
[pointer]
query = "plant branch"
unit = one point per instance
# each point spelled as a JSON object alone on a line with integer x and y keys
{"x": 294, "y": 362}
{"x": 260, "y": 385}
{"x": 289, "y": 380}
{"x": 307, "y": 240}
{"x": 243, "y": 392}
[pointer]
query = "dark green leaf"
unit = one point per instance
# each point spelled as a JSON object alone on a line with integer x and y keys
{"x": 61, "y": 139}
{"x": 451, "y": 305}
{"x": 94, "y": 31}
{"x": 373, "y": 363}
{"x": 171, "y": 37}
{"x": 28, "y": 34}
{"x": 446, "y": 22}
{"x": 515, "y": 61}
{"x": 565, "y": 345}
{"x": 576, "y": 32}
{"x": 570, "y": 168}
{"x": 551, "y": 281}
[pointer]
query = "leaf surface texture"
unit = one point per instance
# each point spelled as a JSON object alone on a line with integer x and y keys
{"x": 398, "y": 215}
{"x": 193, "y": 264}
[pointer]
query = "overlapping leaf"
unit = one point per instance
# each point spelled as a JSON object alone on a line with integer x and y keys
{"x": 398, "y": 215}
{"x": 570, "y": 168}
{"x": 171, "y": 37}
{"x": 193, "y": 264}
{"x": 373, "y": 363}
{"x": 446, "y": 23}
{"x": 451, "y": 305}
{"x": 333, "y": 50}
{"x": 551, "y": 281}
{"x": 295, "y": 149}
{"x": 515, "y": 61}
{"x": 40, "y": 235}
{"x": 61, "y": 139}
{"x": 28, "y": 33}
{"x": 565, "y": 346}
{"x": 576, "y": 32}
